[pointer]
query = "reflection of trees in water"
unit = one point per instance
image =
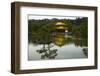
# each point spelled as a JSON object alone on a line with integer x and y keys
{"x": 80, "y": 42}
{"x": 85, "y": 51}
{"x": 58, "y": 39}
{"x": 40, "y": 38}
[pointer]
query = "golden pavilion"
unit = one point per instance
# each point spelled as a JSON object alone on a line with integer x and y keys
{"x": 60, "y": 26}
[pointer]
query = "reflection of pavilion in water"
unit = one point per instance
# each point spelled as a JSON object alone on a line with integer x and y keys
{"x": 59, "y": 39}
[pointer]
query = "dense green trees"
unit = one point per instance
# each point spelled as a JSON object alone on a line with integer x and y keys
{"x": 77, "y": 27}
{"x": 81, "y": 29}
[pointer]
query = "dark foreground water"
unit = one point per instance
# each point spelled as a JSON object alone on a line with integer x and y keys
{"x": 56, "y": 46}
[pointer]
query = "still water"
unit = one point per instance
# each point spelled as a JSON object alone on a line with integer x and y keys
{"x": 56, "y": 46}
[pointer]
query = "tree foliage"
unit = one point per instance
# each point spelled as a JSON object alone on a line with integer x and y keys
{"x": 77, "y": 27}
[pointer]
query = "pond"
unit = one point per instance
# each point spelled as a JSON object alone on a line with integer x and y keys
{"x": 56, "y": 46}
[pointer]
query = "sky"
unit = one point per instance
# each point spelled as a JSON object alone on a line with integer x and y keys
{"x": 39, "y": 17}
